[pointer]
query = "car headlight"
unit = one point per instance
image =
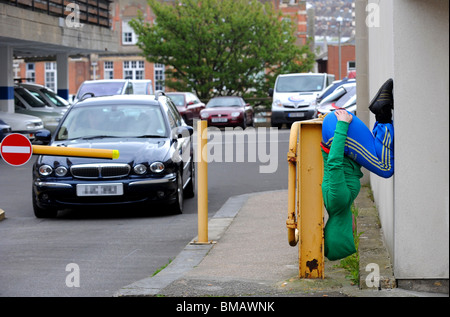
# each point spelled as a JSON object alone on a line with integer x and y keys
{"x": 140, "y": 169}
{"x": 277, "y": 103}
{"x": 61, "y": 171}
{"x": 157, "y": 167}
{"x": 204, "y": 115}
{"x": 235, "y": 114}
{"x": 45, "y": 170}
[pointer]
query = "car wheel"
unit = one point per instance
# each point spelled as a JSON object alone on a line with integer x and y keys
{"x": 244, "y": 123}
{"x": 43, "y": 212}
{"x": 177, "y": 206}
{"x": 189, "y": 191}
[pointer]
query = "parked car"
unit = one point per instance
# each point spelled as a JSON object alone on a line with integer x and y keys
{"x": 332, "y": 87}
{"x": 188, "y": 105}
{"x": 22, "y": 123}
{"x": 338, "y": 98}
{"x": 47, "y": 96}
{"x": 228, "y": 111}
{"x": 26, "y": 103}
{"x": 5, "y": 129}
{"x": 155, "y": 164}
{"x": 105, "y": 87}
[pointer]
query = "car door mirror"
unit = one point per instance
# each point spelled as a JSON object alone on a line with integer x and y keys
{"x": 271, "y": 92}
{"x": 43, "y": 136}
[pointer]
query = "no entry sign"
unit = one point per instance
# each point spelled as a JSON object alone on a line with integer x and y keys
{"x": 16, "y": 149}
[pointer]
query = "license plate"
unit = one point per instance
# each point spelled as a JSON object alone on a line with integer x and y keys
{"x": 99, "y": 189}
{"x": 296, "y": 114}
{"x": 219, "y": 120}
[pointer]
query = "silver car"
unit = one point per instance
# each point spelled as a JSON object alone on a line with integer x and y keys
{"x": 26, "y": 103}
{"x": 47, "y": 96}
{"x": 22, "y": 123}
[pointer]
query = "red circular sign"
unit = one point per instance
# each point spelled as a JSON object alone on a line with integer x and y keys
{"x": 16, "y": 149}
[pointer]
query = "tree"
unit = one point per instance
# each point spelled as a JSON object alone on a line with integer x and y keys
{"x": 220, "y": 47}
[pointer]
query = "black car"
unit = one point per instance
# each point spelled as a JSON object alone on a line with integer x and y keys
{"x": 4, "y": 130}
{"x": 155, "y": 164}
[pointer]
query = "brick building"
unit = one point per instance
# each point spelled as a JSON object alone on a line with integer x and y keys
{"x": 328, "y": 62}
{"x": 127, "y": 62}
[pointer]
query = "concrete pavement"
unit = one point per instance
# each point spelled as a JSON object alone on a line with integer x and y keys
{"x": 249, "y": 255}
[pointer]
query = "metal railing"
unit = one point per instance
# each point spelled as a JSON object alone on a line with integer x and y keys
{"x": 94, "y": 12}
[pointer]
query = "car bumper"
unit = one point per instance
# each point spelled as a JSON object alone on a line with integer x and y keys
{"x": 231, "y": 122}
{"x": 290, "y": 116}
{"x": 63, "y": 194}
{"x": 30, "y": 134}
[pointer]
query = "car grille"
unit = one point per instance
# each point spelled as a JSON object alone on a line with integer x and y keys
{"x": 97, "y": 171}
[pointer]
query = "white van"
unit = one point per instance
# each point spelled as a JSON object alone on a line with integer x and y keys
{"x": 294, "y": 94}
{"x": 104, "y": 87}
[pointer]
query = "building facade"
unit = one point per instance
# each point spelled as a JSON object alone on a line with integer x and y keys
{"x": 127, "y": 61}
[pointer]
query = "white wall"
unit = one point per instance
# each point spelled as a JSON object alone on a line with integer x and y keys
{"x": 381, "y": 68}
{"x": 411, "y": 46}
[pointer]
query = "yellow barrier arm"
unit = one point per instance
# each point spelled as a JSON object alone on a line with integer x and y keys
{"x": 72, "y": 151}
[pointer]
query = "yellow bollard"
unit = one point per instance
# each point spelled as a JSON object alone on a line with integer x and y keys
{"x": 202, "y": 172}
{"x": 72, "y": 151}
{"x": 305, "y": 179}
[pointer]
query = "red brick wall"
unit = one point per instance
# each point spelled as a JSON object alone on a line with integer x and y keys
{"x": 347, "y": 54}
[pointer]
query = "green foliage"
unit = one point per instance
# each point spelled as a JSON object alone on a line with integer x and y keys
{"x": 221, "y": 47}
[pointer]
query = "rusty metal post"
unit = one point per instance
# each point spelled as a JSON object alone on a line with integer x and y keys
{"x": 310, "y": 201}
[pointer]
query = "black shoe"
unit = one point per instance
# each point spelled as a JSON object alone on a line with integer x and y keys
{"x": 383, "y": 102}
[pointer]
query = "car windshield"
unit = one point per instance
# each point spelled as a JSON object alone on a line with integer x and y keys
{"x": 29, "y": 98}
{"x": 116, "y": 121}
{"x": 178, "y": 100}
{"x": 224, "y": 102}
{"x": 57, "y": 100}
{"x": 299, "y": 83}
{"x": 101, "y": 89}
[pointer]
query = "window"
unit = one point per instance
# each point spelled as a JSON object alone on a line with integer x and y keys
{"x": 50, "y": 75}
{"x": 128, "y": 35}
{"x": 133, "y": 69}
{"x": 30, "y": 74}
{"x": 159, "y": 77}
{"x": 108, "y": 70}
{"x": 351, "y": 65}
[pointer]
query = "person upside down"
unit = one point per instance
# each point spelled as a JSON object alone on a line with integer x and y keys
{"x": 347, "y": 145}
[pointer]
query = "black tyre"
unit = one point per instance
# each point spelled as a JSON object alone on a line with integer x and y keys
{"x": 177, "y": 206}
{"x": 189, "y": 191}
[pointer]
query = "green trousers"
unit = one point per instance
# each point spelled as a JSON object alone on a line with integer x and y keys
{"x": 340, "y": 187}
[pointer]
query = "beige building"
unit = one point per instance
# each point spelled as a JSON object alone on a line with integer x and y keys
{"x": 408, "y": 41}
